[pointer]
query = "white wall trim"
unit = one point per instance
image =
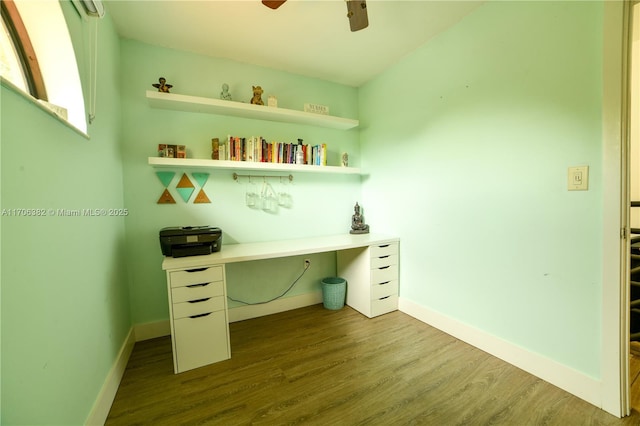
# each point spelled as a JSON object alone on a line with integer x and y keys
{"x": 615, "y": 299}
{"x": 102, "y": 404}
{"x": 151, "y": 330}
{"x": 242, "y": 313}
{"x": 566, "y": 378}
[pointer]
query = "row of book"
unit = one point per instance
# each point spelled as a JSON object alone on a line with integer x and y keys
{"x": 257, "y": 149}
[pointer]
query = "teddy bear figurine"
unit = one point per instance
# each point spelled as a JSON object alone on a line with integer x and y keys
{"x": 257, "y": 95}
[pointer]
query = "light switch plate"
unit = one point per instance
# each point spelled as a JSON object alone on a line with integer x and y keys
{"x": 578, "y": 179}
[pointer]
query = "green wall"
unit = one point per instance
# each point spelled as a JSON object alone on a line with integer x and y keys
{"x": 65, "y": 304}
{"x": 469, "y": 139}
{"x": 322, "y": 204}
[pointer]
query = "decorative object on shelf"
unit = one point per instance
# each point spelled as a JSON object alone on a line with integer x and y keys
{"x": 185, "y": 188}
{"x": 272, "y": 101}
{"x": 300, "y": 152}
{"x": 181, "y": 151}
{"x": 257, "y": 95}
{"x": 215, "y": 149}
{"x": 316, "y": 109}
{"x": 170, "y": 151}
{"x": 225, "y": 95}
{"x": 357, "y": 222}
{"x": 344, "y": 160}
{"x": 162, "y": 86}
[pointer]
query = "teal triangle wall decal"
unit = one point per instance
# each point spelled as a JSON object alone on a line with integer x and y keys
{"x": 201, "y": 178}
{"x": 165, "y": 177}
{"x": 185, "y": 193}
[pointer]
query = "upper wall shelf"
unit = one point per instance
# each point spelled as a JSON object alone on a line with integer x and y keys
{"x": 186, "y": 103}
{"x": 195, "y": 163}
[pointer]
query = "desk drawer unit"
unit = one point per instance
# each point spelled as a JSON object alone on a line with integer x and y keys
{"x": 198, "y": 311}
{"x": 372, "y": 278}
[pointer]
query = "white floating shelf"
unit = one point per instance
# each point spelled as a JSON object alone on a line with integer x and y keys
{"x": 187, "y": 103}
{"x": 193, "y": 163}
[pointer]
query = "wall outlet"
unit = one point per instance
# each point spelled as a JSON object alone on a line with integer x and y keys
{"x": 307, "y": 263}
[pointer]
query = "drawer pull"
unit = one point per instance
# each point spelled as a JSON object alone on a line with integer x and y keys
{"x": 384, "y": 267}
{"x": 199, "y": 300}
{"x": 386, "y": 297}
{"x": 384, "y": 245}
{"x": 383, "y": 257}
{"x": 196, "y": 270}
{"x": 386, "y": 282}
{"x": 200, "y": 315}
{"x": 198, "y": 285}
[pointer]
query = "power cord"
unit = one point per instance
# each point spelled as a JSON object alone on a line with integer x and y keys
{"x": 306, "y": 268}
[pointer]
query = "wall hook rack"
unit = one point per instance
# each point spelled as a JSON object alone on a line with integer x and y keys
{"x": 236, "y": 176}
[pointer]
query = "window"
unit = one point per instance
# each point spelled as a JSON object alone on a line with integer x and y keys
{"x": 19, "y": 61}
{"x": 37, "y": 29}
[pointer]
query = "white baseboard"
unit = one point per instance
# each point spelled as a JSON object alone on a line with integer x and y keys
{"x": 566, "y": 378}
{"x": 102, "y": 404}
{"x": 151, "y": 330}
{"x": 242, "y": 313}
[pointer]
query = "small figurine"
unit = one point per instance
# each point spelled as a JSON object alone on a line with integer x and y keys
{"x": 257, "y": 95}
{"x": 225, "y": 95}
{"x": 357, "y": 222}
{"x": 345, "y": 159}
{"x": 162, "y": 86}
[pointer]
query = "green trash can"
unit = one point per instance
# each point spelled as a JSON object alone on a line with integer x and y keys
{"x": 334, "y": 292}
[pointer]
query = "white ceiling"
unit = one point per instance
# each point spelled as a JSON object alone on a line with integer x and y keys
{"x": 306, "y": 37}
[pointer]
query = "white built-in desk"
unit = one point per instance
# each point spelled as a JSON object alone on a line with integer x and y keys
{"x": 198, "y": 296}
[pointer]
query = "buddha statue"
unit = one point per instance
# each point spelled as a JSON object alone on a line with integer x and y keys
{"x": 357, "y": 222}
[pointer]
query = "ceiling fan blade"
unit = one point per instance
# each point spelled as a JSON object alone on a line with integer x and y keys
{"x": 357, "y": 14}
{"x": 273, "y": 4}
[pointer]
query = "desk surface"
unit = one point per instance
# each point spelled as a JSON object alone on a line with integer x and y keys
{"x": 283, "y": 248}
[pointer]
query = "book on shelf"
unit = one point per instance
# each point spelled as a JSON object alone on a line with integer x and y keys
{"x": 258, "y": 150}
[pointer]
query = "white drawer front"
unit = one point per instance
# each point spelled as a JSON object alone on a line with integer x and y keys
{"x": 199, "y": 307}
{"x": 382, "y": 306}
{"x": 379, "y": 262}
{"x": 197, "y": 291}
{"x": 201, "y": 341}
{"x": 196, "y": 276}
{"x": 385, "y": 273}
{"x": 384, "y": 289}
{"x": 383, "y": 250}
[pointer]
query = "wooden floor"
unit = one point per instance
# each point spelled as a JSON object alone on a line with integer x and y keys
{"x": 319, "y": 367}
{"x": 634, "y": 376}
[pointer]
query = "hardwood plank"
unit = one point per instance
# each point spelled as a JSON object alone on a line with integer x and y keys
{"x": 320, "y": 367}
